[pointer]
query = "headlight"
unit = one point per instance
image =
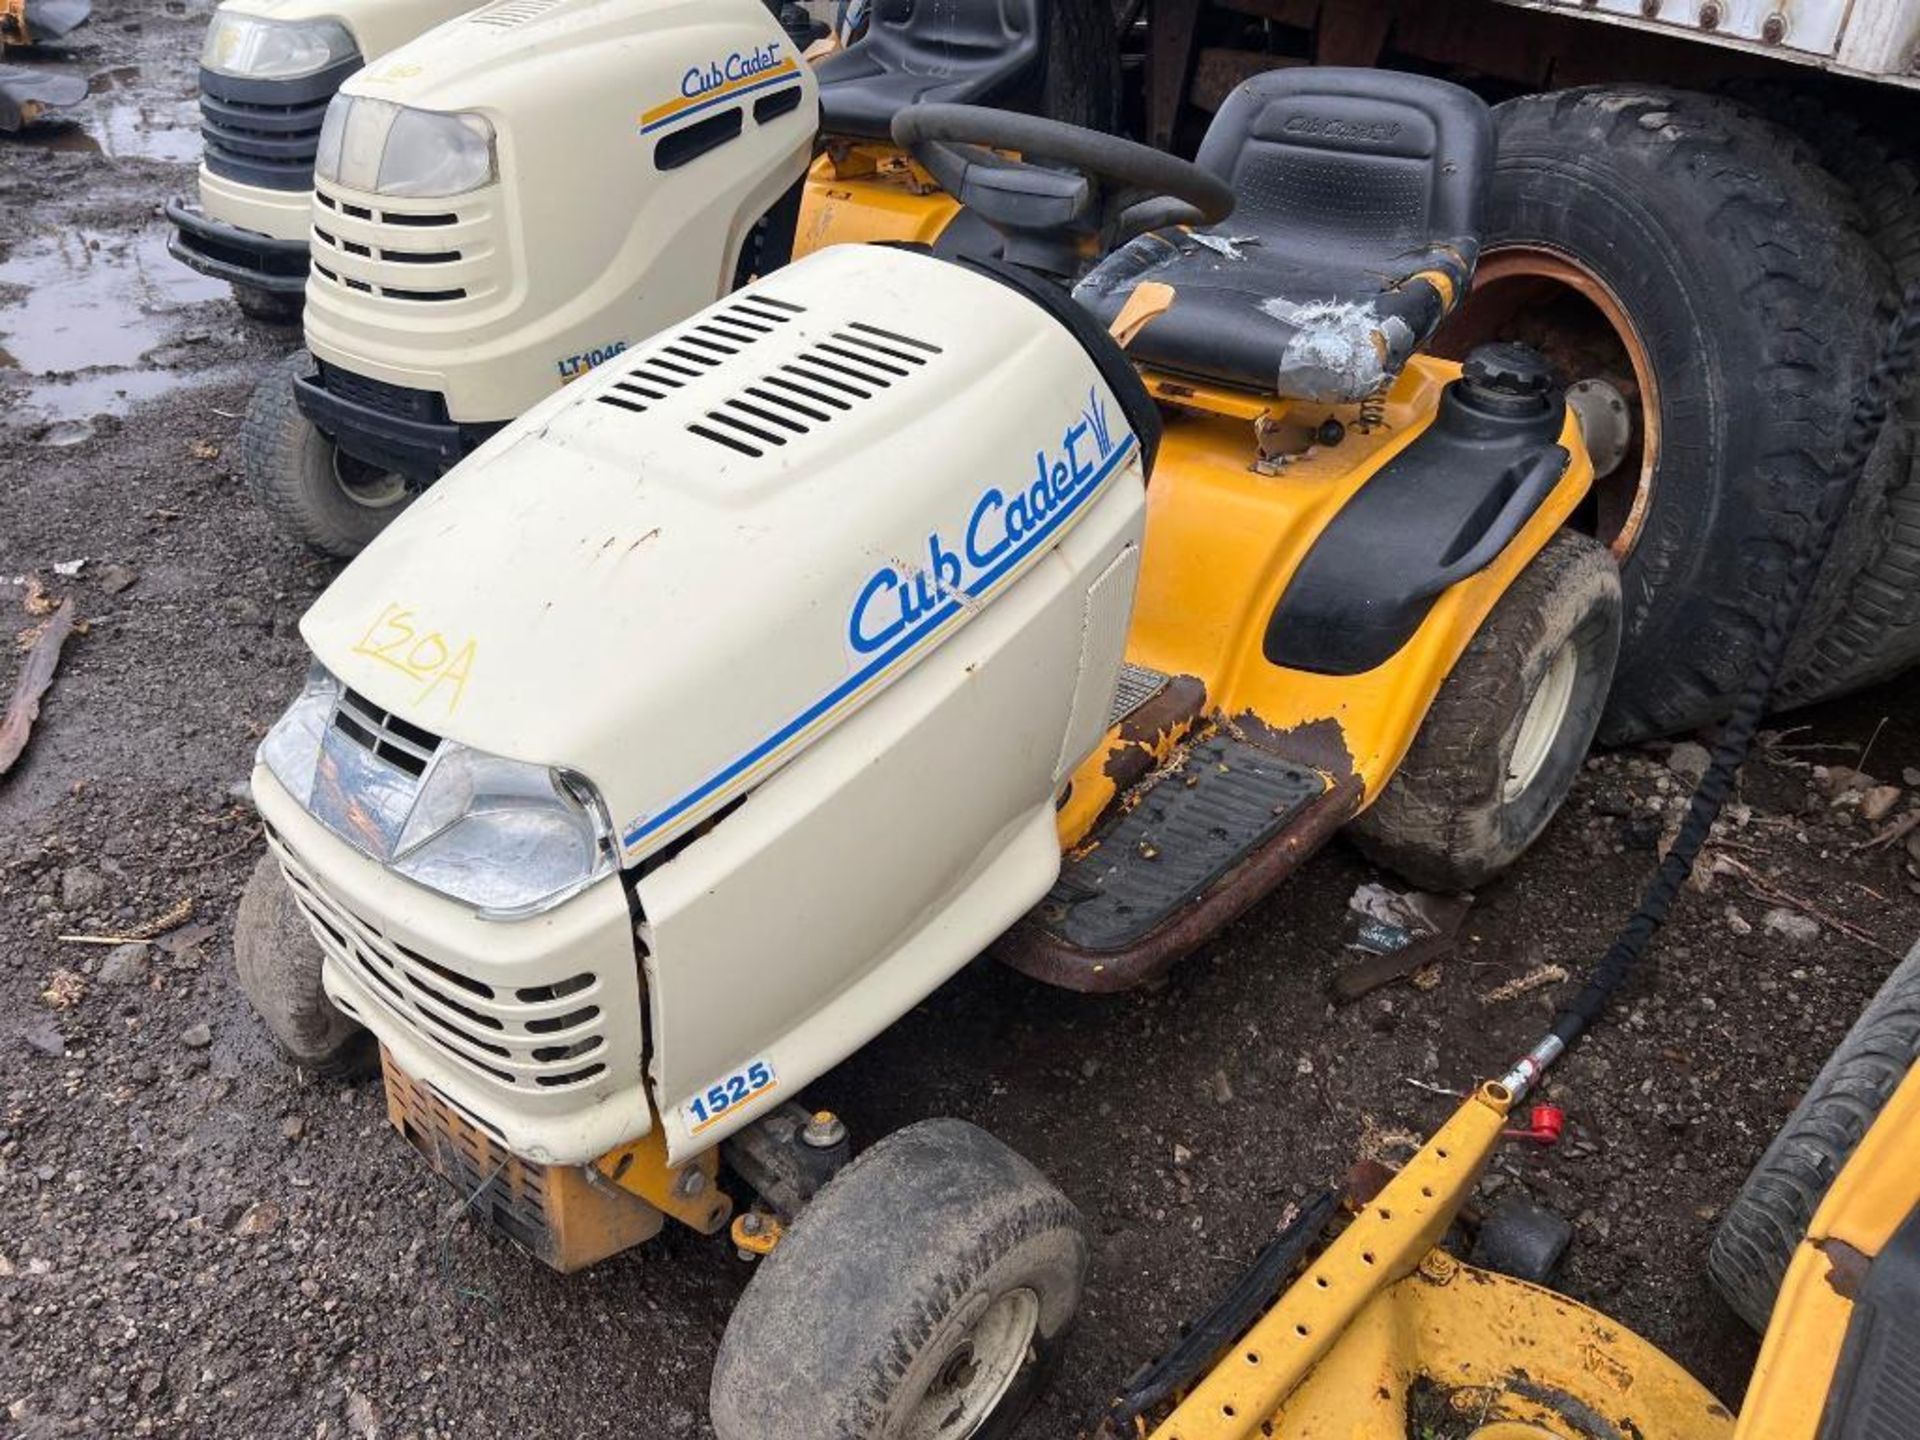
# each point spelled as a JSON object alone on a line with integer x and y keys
{"x": 508, "y": 838}
{"x": 389, "y": 149}
{"x": 257, "y": 49}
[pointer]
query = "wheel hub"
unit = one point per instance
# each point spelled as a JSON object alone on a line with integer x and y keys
{"x": 976, "y": 1374}
{"x": 1546, "y": 713}
{"x": 1605, "y": 423}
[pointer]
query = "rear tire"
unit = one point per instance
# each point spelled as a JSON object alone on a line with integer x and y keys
{"x": 278, "y": 961}
{"x": 1870, "y": 628}
{"x": 937, "y": 1274}
{"x": 1769, "y": 1217}
{"x": 1082, "y": 82}
{"x": 1504, "y": 739}
{"x": 1753, "y": 303}
{"x": 313, "y": 493}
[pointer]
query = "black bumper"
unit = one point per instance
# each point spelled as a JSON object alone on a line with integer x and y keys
{"x": 240, "y": 257}
{"x": 389, "y": 426}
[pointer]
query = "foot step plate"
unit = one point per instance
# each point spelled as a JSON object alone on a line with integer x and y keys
{"x": 1196, "y": 822}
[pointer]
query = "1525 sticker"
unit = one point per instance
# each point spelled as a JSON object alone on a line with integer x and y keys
{"x": 729, "y": 1093}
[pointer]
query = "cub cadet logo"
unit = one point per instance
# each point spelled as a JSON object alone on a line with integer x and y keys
{"x": 574, "y": 366}
{"x": 704, "y": 80}
{"x": 718, "y": 80}
{"x": 1001, "y": 529}
{"x": 1376, "y": 132}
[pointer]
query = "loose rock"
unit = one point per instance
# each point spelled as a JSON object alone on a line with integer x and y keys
{"x": 125, "y": 964}
{"x": 1689, "y": 760}
{"x": 1790, "y": 925}
{"x": 197, "y": 1037}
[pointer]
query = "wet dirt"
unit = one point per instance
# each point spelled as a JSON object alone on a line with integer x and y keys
{"x": 199, "y": 1240}
{"x": 95, "y": 316}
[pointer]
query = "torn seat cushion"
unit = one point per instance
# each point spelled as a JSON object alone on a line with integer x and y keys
{"x": 933, "y": 51}
{"x": 1359, "y": 195}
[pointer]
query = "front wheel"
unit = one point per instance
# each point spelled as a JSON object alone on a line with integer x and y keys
{"x": 269, "y": 307}
{"x": 279, "y": 961}
{"x": 924, "y": 1294}
{"x": 312, "y": 491}
{"x": 1504, "y": 739}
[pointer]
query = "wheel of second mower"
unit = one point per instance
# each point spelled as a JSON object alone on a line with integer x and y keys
{"x": 310, "y": 489}
{"x": 1768, "y": 1218}
{"x": 278, "y": 961}
{"x": 269, "y": 307}
{"x": 1506, "y": 735}
{"x": 924, "y": 1294}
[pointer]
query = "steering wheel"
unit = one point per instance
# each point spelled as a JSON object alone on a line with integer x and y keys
{"x": 1109, "y": 188}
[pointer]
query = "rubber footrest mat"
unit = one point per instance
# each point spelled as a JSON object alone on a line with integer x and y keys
{"x": 1194, "y": 824}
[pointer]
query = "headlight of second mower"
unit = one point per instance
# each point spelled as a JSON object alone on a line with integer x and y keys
{"x": 250, "y": 47}
{"x": 388, "y": 149}
{"x": 509, "y": 838}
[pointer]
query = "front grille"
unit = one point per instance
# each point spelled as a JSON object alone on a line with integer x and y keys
{"x": 405, "y": 252}
{"x": 402, "y": 745}
{"x": 266, "y": 132}
{"x": 426, "y": 406}
{"x": 533, "y": 1037}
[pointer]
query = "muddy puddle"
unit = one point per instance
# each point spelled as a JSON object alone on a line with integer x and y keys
{"x": 93, "y": 321}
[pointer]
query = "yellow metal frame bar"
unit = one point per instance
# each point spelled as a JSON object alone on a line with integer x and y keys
{"x": 1383, "y": 1245}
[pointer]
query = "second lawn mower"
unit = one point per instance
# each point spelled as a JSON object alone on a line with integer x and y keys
{"x": 717, "y": 710}
{"x": 522, "y": 193}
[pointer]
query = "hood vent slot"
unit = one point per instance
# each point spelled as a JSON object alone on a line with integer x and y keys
{"x": 510, "y": 13}
{"x": 826, "y": 379}
{"x": 695, "y": 350}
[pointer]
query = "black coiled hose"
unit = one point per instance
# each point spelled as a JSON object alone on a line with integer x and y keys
{"x": 1871, "y": 405}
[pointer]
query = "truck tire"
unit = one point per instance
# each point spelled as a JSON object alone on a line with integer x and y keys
{"x": 1869, "y": 629}
{"x": 1767, "y": 1220}
{"x": 1082, "y": 81}
{"x": 927, "y": 1289}
{"x": 1504, "y": 739}
{"x": 311, "y": 491}
{"x": 278, "y": 962}
{"x": 1698, "y": 264}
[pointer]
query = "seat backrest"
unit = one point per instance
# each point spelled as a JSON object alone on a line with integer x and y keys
{"x": 1372, "y": 161}
{"x": 959, "y": 52}
{"x": 955, "y": 37}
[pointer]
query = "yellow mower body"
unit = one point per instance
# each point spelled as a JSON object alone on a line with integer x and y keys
{"x": 1387, "y": 1335}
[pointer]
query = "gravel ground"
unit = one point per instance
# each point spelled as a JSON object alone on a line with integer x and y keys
{"x": 200, "y": 1241}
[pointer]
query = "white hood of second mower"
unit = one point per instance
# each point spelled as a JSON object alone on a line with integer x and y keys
{"x": 605, "y": 587}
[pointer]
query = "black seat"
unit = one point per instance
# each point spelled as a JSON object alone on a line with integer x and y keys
{"x": 1357, "y": 225}
{"x": 961, "y": 52}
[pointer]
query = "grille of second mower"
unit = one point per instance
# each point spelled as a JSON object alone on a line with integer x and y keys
{"x": 1193, "y": 824}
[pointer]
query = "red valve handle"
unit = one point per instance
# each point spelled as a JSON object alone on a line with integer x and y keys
{"x": 1545, "y": 1125}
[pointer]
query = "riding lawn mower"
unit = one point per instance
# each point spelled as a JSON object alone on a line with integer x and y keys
{"x": 268, "y": 70}
{"x": 471, "y": 255}
{"x": 1055, "y": 597}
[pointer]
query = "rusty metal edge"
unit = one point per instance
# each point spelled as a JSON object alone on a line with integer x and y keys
{"x": 1044, "y": 957}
